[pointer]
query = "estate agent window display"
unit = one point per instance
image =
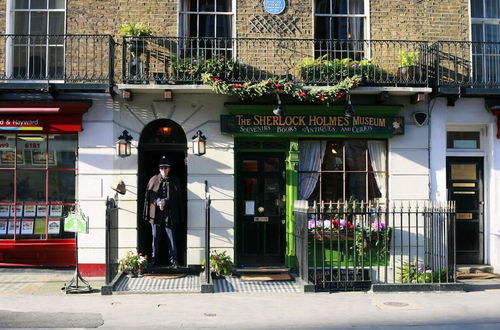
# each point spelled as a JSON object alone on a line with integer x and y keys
{"x": 37, "y": 184}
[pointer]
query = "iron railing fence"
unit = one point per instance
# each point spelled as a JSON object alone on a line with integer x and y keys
{"x": 170, "y": 60}
{"x": 467, "y": 64}
{"x": 352, "y": 245}
{"x": 66, "y": 59}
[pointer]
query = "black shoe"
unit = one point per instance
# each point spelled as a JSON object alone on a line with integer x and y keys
{"x": 174, "y": 266}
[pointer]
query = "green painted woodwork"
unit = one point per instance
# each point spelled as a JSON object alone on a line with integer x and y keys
{"x": 291, "y": 189}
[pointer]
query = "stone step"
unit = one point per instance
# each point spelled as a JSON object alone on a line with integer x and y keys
{"x": 260, "y": 270}
{"x": 473, "y": 269}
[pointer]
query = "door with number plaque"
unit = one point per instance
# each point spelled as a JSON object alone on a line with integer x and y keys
{"x": 260, "y": 209}
{"x": 465, "y": 187}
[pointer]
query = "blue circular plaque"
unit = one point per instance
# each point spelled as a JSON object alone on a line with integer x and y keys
{"x": 274, "y": 7}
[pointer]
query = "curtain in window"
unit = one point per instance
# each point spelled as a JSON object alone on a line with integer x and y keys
{"x": 311, "y": 157}
{"x": 356, "y": 23}
{"x": 378, "y": 155}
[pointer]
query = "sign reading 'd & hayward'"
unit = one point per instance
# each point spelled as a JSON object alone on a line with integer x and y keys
{"x": 311, "y": 125}
{"x": 20, "y": 124}
{"x": 274, "y": 7}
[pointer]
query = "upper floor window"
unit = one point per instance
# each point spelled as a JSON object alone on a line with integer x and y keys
{"x": 339, "y": 28}
{"x": 207, "y": 26}
{"x": 486, "y": 37}
{"x": 36, "y": 47}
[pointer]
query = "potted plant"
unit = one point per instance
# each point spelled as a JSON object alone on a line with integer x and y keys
{"x": 136, "y": 45}
{"x": 133, "y": 264}
{"x": 408, "y": 66}
{"x": 220, "y": 264}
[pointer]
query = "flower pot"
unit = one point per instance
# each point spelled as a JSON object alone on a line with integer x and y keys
{"x": 410, "y": 73}
{"x": 216, "y": 276}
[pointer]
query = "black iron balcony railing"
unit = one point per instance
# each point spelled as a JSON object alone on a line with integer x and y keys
{"x": 467, "y": 64}
{"x": 166, "y": 60}
{"x": 72, "y": 61}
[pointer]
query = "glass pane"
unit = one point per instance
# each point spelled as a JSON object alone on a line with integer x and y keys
{"x": 356, "y": 186}
{"x": 21, "y": 4}
{"x": 38, "y": 23}
{"x": 462, "y": 140}
{"x": 339, "y": 7}
{"x": 323, "y": 28}
{"x": 56, "y": 223}
{"x": 249, "y": 165}
{"x": 56, "y": 62}
{"x": 33, "y": 149}
{"x": 355, "y": 30}
{"x": 377, "y": 156}
{"x": 463, "y": 172}
{"x": 192, "y": 5}
{"x": 477, "y": 33}
{"x": 333, "y": 159}
{"x": 6, "y": 186}
{"x": 339, "y": 27}
{"x": 224, "y": 5}
{"x": 30, "y": 186}
{"x": 272, "y": 196}
{"x": 57, "y": 4}
{"x": 21, "y": 23}
{"x": 250, "y": 189}
{"x": 323, "y": 7}
{"x": 271, "y": 164}
{"x": 56, "y": 23}
{"x": 37, "y": 62}
{"x": 38, "y": 4}
{"x": 332, "y": 187}
{"x": 20, "y": 69}
{"x": 62, "y": 186}
{"x": 192, "y": 23}
{"x": 309, "y": 186}
{"x": 62, "y": 150}
{"x": 356, "y": 6}
{"x": 492, "y": 8}
{"x": 207, "y": 26}
{"x": 492, "y": 33}
{"x": 355, "y": 155}
{"x": 207, "y": 5}
{"x": 476, "y": 7}
{"x": 223, "y": 26}
{"x": 376, "y": 185}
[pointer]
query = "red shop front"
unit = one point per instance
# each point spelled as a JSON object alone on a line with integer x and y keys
{"x": 38, "y": 168}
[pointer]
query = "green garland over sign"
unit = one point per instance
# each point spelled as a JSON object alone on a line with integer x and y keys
{"x": 249, "y": 90}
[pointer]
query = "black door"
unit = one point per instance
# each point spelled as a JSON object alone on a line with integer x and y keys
{"x": 465, "y": 187}
{"x": 260, "y": 209}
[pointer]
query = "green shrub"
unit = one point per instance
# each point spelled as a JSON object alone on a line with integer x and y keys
{"x": 415, "y": 273}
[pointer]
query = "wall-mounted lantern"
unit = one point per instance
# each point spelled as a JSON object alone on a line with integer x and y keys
{"x": 199, "y": 143}
{"x": 123, "y": 145}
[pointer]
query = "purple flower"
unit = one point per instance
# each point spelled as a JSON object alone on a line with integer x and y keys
{"x": 377, "y": 225}
{"x": 342, "y": 224}
{"x": 355, "y": 65}
{"x": 311, "y": 224}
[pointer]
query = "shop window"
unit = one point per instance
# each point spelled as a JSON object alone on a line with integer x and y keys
{"x": 339, "y": 28}
{"x": 36, "y": 39}
{"x": 37, "y": 185}
{"x": 333, "y": 170}
{"x": 462, "y": 140}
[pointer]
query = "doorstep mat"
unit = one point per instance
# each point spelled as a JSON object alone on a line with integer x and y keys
{"x": 477, "y": 276}
{"x": 235, "y": 284}
{"x": 164, "y": 275}
{"x": 189, "y": 283}
{"x": 266, "y": 277}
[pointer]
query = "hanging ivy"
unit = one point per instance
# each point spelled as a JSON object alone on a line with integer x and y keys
{"x": 248, "y": 90}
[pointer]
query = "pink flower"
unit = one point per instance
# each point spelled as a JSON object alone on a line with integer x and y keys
{"x": 217, "y": 80}
{"x": 236, "y": 85}
{"x": 339, "y": 95}
{"x": 301, "y": 93}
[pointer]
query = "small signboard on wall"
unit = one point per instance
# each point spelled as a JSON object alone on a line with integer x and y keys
{"x": 274, "y": 7}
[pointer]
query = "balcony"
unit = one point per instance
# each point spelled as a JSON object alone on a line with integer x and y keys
{"x": 166, "y": 60}
{"x": 56, "y": 62}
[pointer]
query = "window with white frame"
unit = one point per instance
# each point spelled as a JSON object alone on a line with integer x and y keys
{"x": 36, "y": 42}
{"x": 206, "y": 27}
{"x": 339, "y": 28}
{"x": 486, "y": 40}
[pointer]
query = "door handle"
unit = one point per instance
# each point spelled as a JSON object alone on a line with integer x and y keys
{"x": 261, "y": 209}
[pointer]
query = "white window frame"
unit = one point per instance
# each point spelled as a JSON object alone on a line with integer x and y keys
{"x": 10, "y": 24}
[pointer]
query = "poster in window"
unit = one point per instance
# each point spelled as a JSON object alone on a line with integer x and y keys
{"x": 18, "y": 210}
{"x": 29, "y": 210}
{"x": 3, "y": 226}
{"x": 38, "y": 157}
{"x": 41, "y": 210}
{"x": 27, "y": 226}
{"x": 10, "y": 230}
{"x": 54, "y": 226}
{"x": 7, "y": 157}
{"x": 56, "y": 210}
{"x": 4, "y": 210}
{"x": 39, "y": 226}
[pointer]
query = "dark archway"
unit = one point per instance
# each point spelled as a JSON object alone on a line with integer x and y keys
{"x": 155, "y": 142}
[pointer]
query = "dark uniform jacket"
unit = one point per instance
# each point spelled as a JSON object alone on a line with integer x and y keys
{"x": 172, "y": 213}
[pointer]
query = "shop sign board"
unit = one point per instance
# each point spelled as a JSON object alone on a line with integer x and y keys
{"x": 274, "y": 7}
{"x": 20, "y": 124}
{"x": 311, "y": 125}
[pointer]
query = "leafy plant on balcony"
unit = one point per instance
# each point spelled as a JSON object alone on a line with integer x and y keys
{"x": 249, "y": 90}
{"x": 323, "y": 70}
{"x": 136, "y": 30}
{"x": 192, "y": 68}
{"x": 407, "y": 59}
